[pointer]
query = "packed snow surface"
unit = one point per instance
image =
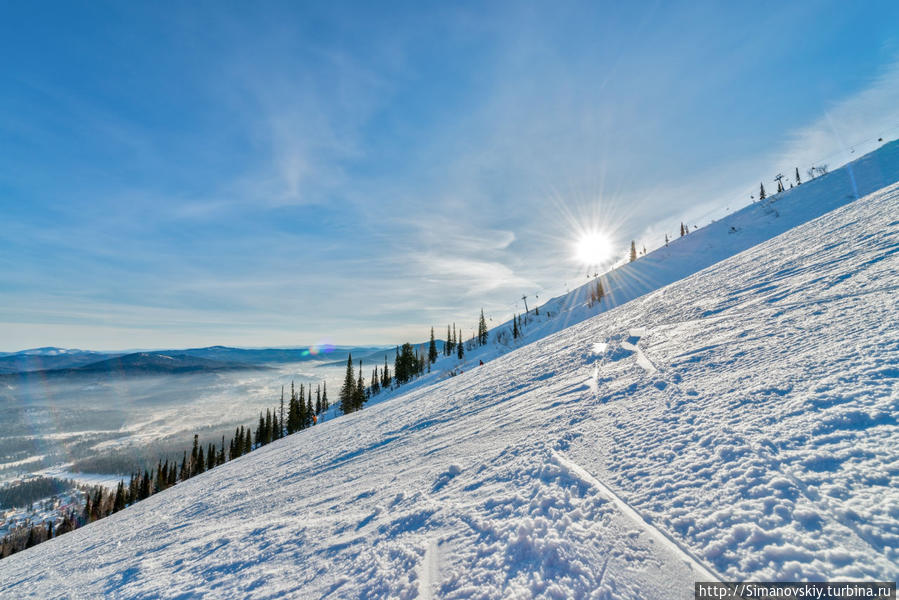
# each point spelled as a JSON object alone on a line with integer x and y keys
{"x": 738, "y": 424}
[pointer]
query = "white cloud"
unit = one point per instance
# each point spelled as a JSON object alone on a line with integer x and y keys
{"x": 850, "y": 127}
{"x": 470, "y": 275}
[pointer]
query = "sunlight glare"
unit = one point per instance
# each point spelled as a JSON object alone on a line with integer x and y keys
{"x": 593, "y": 248}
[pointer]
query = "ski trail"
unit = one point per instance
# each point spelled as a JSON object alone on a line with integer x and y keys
{"x": 602, "y": 573}
{"x": 660, "y": 536}
{"x": 430, "y": 571}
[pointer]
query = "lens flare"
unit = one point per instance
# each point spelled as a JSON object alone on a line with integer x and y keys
{"x": 593, "y": 248}
{"x": 319, "y": 348}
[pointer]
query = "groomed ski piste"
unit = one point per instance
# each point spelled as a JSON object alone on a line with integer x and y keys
{"x": 738, "y": 424}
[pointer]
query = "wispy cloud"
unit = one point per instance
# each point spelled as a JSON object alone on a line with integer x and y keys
{"x": 850, "y": 127}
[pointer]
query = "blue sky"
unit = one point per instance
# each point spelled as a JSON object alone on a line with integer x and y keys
{"x": 183, "y": 174}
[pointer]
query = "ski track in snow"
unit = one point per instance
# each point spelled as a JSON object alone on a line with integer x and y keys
{"x": 763, "y": 444}
{"x": 660, "y": 535}
{"x": 430, "y": 571}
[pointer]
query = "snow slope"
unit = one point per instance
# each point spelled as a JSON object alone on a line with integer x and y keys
{"x": 738, "y": 424}
{"x": 735, "y": 233}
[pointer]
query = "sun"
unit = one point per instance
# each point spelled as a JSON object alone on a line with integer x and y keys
{"x": 593, "y": 248}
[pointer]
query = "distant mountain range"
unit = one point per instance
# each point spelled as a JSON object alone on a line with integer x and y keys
{"x": 60, "y": 362}
{"x": 45, "y": 359}
{"x": 47, "y": 351}
{"x": 138, "y": 363}
{"x": 278, "y": 355}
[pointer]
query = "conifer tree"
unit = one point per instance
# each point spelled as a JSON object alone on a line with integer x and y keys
{"x": 446, "y": 343}
{"x": 32, "y": 540}
{"x": 432, "y": 349}
{"x": 596, "y": 293}
{"x": 460, "y": 352}
{"x": 194, "y": 455}
{"x": 666, "y": 240}
{"x": 399, "y": 372}
{"x": 281, "y": 418}
{"x": 200, "y": 465}
{"x": 119, "y": 502}
{"x": 762, "y": 195}
{"x": 184, "y": 475}
{"x": 220, "y": 459}
{"x": 310, "y": 414}
{"x": 385, "y": 375}
{"x": 407, "y": 364}
{"x": 303, "y": 411}
{"x": 260, "y": 431}
{"x": 482, "y": 329}
{"x": 359, "y": 391}
{"x": 302, "y": 417}
{"x": 682, "y": 229}
{"x": 144, "y": 486}
{"x": 325, "y": 404}
{"x": 633, "y": 251}
{"x": 210, "y": 457}
{"x": 349, "y": 386}
{"x": 247, "y": 441}
{"x": 514, "y": 327}
{"x": 798, "y": 181}
{"x": 293, "y": 415}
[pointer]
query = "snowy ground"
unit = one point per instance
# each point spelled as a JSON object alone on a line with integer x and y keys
{"x": 738, "y": 424}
